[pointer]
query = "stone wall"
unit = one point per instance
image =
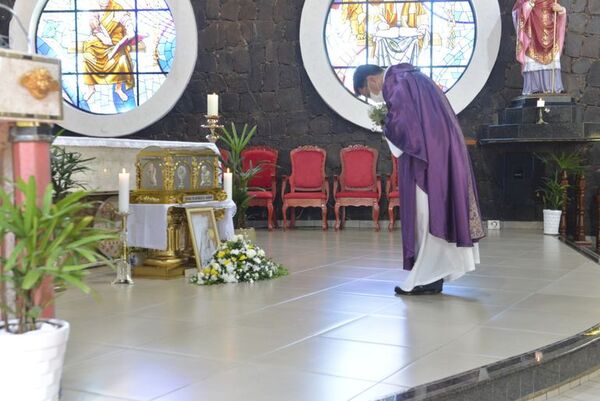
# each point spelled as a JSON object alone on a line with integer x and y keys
{"x": 249, "y": 53}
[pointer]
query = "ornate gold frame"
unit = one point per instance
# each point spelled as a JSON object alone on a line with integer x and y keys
{"x": 189, "y": 213}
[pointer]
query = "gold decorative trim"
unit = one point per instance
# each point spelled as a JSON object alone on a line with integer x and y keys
{"x": 40, "y": 83}
{"x": 173, "y": 197}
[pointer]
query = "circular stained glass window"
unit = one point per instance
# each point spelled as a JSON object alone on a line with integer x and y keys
{"x": 115, "y": 54}
{"x": 436, "y": 36}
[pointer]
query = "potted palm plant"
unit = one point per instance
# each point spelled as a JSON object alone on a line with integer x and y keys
{"x": 552, "y": 192}
{"x": 237, "y": 142}
{"x": 64, "y": 165}
{"x": 53, "y": 240}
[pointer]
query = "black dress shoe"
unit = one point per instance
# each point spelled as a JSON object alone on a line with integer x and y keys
{"x": 428, "y": 289}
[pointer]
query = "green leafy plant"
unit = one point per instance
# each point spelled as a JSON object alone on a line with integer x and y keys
{"x": 237, "y": 142}
{"x": 64, "y": 165}
{"x": 52, "y": 239}
{"x": 552, "y": 193}
{"x": 572, "y": 162}
{"x": 377, "y": 114}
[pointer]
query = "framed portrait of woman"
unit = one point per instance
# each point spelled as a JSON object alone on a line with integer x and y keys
{"x": 204, "y": 234}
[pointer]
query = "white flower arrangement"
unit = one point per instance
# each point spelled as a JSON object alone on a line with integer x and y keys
{"x": 238, "y": 261}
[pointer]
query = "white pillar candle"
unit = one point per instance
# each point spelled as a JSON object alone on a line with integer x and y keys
{"x": 228, "y": 184}
{"x": 212, "y": 102}
{"x": 124, "y": 192}
{"x": 541, "y": 103}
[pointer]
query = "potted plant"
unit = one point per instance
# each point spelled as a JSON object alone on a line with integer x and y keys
{"x": 50, "y": 240}
{"x": 237, "y": 142}
{"x": 64, "y": 165}
{"x": 552, "y": 193}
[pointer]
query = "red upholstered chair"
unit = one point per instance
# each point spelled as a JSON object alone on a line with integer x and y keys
{"x": 392, "y": 193}
{"x": 358, "y": 184}
{"x": 262, "y": 188}
{"x": 309, "y": 187}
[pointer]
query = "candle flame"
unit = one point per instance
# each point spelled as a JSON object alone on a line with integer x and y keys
{"x": 124, "y": 171}
{"x": 228, "y": 171}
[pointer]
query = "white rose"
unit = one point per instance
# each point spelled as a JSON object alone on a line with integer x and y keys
{"x": 251, "y": 253}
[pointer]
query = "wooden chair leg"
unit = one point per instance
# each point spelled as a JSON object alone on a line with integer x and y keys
{"x": 270, "y": 216}
{"x": 337, "y": 216}
{"x": 376, "y": 215}
{"x": 293, "y": 217}
{"x": 343, "y": 216}
{"x": 284, "y": 211}
{"x": 324, "y": 216}
{"x": 391, "y": 217}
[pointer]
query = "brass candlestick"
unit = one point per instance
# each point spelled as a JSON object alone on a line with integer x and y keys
{"x": 212, "y": 124}
{"x": 541, "y": 111}
{"x": 123, "y": 264}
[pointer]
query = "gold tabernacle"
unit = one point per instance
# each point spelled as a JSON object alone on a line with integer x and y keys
{"x": 177, "y": 176}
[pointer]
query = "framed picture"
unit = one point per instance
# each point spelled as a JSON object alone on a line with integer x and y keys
{"x": 204, "y": 232}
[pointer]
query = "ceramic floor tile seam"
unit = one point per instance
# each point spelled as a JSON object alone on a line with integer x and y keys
{"x": 186, "y": 320}
{"x": 254, "y": 359}
{"x": 505, "y": 356}
{"x": 234, "y": 363}
{"x": 306, "y": 338}
{"x": 92, "y": 358}
{"x": 312, "y": 372}
{"x": 541, "y": 332}
{"x": 514, "y": 302}
{"x": 318, "y": 372}
{"x": 420, "y": 360}
{"x": 100, "y": 394}
{"x": 429, "y": 347}
{"x": 379, "y": 397}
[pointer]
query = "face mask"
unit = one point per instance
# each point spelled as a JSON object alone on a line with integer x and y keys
{"x": 378, "y": 98}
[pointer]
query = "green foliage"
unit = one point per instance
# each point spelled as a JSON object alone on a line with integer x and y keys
{"x": 52, "y": 239}
{"x": 572, "y": 162}
{"x": 377, "y": 114}
{"x": 237, "y": 142}
{"x": 552, "y": 192}
{"x": 64, "y": 165}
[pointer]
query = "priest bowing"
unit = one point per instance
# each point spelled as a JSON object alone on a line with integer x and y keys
{"x": 439, "y": 207}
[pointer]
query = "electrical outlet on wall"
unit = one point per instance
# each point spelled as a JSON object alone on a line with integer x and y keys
{"x": 493, "y": 224}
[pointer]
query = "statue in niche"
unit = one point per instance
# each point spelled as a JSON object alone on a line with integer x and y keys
{"x": 540, "y": 26}
{"x": 205, "y": 176}
{"x": 181, "y": 174}
{"x": 150, "y": 172}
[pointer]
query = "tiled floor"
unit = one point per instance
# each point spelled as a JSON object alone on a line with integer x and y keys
{"x": 331, "y": 330}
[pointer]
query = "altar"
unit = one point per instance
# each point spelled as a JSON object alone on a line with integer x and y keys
{"x": 157, "y": 219}
{"x": 164, "y": 229}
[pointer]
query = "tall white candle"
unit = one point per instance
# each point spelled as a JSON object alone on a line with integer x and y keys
{"x": 123, "y": 192}
{"x": 213, "y": 105}
{"x": 541, "y": 103}
{"x": 228, "y": 184}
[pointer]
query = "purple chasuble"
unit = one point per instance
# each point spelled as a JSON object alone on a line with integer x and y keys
{"x": 422, "y": 124}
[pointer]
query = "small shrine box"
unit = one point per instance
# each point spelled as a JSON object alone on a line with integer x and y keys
{"x": 177, "y": 175}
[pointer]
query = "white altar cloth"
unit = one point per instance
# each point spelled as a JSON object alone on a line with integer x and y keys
{"x": 111, "y": 155}
{"x": 147, "y": 224}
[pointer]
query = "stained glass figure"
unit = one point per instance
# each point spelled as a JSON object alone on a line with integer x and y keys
{"x": 438, "y": 36}
{"x": 115, "y": 53}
